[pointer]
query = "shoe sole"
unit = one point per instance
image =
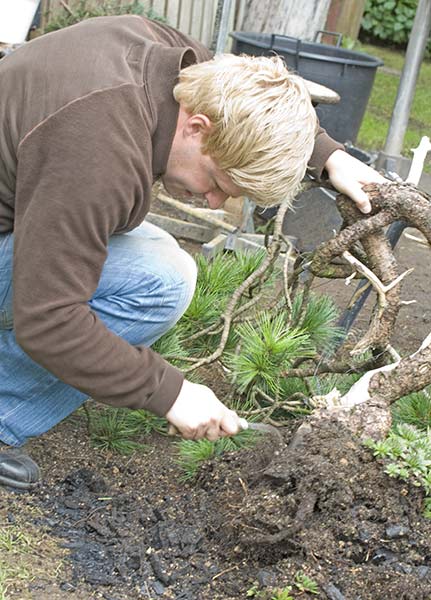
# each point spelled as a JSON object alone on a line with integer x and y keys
{"x": 19, "y": 485}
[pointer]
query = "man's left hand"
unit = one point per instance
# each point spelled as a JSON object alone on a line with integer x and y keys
{"x": 348, "y": 175}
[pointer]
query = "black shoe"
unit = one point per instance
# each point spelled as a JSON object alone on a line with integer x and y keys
{"x": 17, "y": 469}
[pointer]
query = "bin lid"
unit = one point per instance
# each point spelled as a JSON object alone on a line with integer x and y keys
{"x": 321, "y": 94}
{"x": 312, "y": 50}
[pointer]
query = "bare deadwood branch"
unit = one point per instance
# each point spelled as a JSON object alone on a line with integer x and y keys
{"x": 377, "y": 336}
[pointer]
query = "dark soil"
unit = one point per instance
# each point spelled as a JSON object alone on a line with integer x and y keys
{"x": 131, "y": 529}
{"x": 326, "y": 508}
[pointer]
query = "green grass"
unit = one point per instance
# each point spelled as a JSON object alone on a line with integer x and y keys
{"x": 13, "y": 544}
{"x": 375, "y": 125}
{"x": 26, "y": 557}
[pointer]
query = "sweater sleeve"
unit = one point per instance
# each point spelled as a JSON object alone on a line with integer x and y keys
{"x": 324, "y": 146}
{"x": 83, "y": 174}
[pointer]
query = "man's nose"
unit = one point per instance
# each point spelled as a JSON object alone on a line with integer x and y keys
{"x": 216, "y": 199}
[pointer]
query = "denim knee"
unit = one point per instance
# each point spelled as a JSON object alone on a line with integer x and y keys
{"x": 144, "y": 289}
{"x": 184, "y": 283}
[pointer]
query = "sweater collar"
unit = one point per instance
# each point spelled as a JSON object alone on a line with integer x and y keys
{"x": 163, "y": 68}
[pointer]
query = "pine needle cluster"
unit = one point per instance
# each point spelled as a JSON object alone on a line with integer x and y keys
{"x": 270, "y": 345}
{"x": 267, "y": 348}
{"x": 217, "y": 280}
{"x": 120, "y": 430}
{"x": 263, "y": 344}
{"x": 318, "y": 319}
{"x": 192, "y": 454}
{"x": 414, "y": 409}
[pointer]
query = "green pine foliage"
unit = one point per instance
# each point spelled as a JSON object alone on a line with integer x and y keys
{"x": 146, "y": 422}
{"x": 260, "y": 349}
{"x": 290, "y": 386}
{"x": 248, "y": 262}
{"x": 268, "y": 347}
{"x": 171, "y": 346}
{"x": 319, "y": 320}
{"x": 217, "y": 280}
{"x": 192, "y": 454}
{"x": 204, "y": 309}
{"x": 223, "y": 273}
{"x": 120, "y": 430}
{"x": 414, "y": 409}
{"x": 112, "y": 431}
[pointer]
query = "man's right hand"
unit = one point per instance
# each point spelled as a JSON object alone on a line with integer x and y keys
{"x": 197, "y": 413}
{"x": 348, "y": 174}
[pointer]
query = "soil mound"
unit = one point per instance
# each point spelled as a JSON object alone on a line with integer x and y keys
{"x": 324, "y": 508}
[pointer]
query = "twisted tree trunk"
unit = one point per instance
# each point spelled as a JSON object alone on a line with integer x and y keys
{"x": 365, "y": 409}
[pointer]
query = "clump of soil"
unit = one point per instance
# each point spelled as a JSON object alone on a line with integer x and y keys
{"x": 326, "y": 508}
{"x": 133, "y": 530}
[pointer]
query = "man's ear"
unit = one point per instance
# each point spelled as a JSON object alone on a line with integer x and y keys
{"x": 197, "y": 125}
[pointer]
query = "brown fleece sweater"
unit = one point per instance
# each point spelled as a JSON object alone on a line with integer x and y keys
{"x": 87, "y": 119}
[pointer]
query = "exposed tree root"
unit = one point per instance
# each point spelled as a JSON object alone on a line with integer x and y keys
{"x": 365, "y": 408}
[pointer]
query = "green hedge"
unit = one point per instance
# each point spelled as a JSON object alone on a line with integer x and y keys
{"x": 85, "y": 9}
{"x": 389, "y": 20}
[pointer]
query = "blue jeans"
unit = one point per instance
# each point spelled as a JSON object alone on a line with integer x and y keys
{"x": 146, "y": 284}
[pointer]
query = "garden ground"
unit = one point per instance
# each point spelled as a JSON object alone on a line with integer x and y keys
{"x": 123, "y": 528}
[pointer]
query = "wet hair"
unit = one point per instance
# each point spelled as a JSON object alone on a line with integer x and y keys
{"x": 263, "y": 122}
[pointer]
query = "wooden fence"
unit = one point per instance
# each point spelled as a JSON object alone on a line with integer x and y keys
{"x": 297, "y": 18}
{"x": 194, "y": 17}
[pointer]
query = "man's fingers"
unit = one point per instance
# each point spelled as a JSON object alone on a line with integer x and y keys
{"x": 197, "y": 413}
{"x": 213, "y": 433}
{"x": 230, "y": 423}
{"x": 360, "y": 198}
{"x": 348, "y": 175}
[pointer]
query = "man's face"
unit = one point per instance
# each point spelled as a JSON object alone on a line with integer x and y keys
{"x": 189, "y": 172}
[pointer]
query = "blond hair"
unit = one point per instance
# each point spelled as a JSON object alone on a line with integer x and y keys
{"x": 263, "y": 122}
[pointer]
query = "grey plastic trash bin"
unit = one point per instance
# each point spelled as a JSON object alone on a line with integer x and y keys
{"x": 349, "y": 73}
